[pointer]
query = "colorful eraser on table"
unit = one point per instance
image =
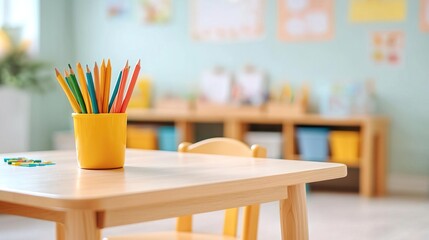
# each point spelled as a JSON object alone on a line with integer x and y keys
{"x": 25, "y": 162}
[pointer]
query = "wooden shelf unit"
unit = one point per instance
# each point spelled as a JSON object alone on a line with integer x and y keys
{"x": 373, "y": 131}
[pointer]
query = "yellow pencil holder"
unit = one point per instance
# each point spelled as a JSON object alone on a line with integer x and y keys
{"x": 100, "y": 140}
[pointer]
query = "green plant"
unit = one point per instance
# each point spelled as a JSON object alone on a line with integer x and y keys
{"x": 18, "y": 69}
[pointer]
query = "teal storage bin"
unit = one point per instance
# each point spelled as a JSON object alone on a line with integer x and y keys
{"x": 313, "y": 143}
{"x": 167, "y": 138}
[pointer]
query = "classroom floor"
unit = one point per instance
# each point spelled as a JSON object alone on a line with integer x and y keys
{"x": 331, "y": 216}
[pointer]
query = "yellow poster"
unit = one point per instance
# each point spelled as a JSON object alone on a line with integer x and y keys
{"x": 377, "y": 10}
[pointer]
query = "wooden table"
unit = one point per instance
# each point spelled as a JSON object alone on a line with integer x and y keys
{"x": 155, "y": 185}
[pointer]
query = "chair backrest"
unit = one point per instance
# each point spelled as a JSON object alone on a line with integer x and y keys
{"x": 231, "y": 147}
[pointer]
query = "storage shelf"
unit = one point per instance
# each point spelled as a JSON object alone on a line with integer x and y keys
{"x": 372, "y": 129}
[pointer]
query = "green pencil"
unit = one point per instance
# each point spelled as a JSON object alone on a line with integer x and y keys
{"x": 76, "y": 90}
{"x": 115, "y": 91}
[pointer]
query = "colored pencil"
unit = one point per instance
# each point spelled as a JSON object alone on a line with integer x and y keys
{"x": 115, "y": 92}
{"x": 91, "y": 90}
{"x": 102, "y": 84}
{"x": 108, "y": 76}
{"x": 130, "y": 87}
{"x": 76, "y": 89}
{"x": 97, "y": 87}
{"x": 82, "y": 85}
{"x": 69, "y": 94}
{"x": 122, "y": 88}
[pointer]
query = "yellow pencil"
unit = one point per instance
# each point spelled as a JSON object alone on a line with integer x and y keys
{"x": 66, "y": 89}
{"x": 97, "y": 88}
{"x": 83, "y": 87}
{"x": 108, "y": 75}
{"x": 102, "y": 84}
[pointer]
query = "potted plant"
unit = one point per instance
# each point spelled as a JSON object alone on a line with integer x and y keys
{"x": 19, "y": 74}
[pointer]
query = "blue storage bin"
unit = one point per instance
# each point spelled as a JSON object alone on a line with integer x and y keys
{"x": 313, "y": 143}
{"x": 167, "y": 138}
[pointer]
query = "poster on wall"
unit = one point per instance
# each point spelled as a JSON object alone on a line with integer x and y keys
{"x": 305, "y": 20}
{"x": 154, "y": 11}
{"x": 424, "y": 15}
{"x": 226, "y": 20}
{"x": 387, "y": 47}
{"x": 377, "y": 10}
{"x": 118, "y": 9}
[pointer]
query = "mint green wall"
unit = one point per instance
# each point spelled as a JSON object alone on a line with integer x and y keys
{"x": 50, "y": 111}
{"x": 175, "y": 61}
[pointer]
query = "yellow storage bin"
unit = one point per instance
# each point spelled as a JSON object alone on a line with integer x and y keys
{"x": 142, "y": 138}
{"x": 345, "y": 147}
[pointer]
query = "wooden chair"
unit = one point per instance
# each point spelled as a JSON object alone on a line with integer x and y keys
{"x": 220, "y": 146}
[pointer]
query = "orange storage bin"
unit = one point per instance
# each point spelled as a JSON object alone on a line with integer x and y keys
{"x": 142, "y": 138}
{"x": 345, "y": 147}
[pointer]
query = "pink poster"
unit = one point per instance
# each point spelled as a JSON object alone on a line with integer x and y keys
{"x": 424, "y": 15}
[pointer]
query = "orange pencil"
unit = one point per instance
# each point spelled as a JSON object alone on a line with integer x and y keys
{"x": 83, "y": 87}
{"x": 108, "y": 76}
{"x": 69, "y": 94}
{"x": 97, "y": 87}
{"x": 102, "y": 84}
{"x": 122, "y": 88}
{"x": 131, "y": 87}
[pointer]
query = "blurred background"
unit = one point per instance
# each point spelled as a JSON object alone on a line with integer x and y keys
{"x": 345, "y": 58}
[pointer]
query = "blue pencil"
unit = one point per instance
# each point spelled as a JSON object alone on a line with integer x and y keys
{"x": 115, "y": 91}
{"x": 91, "y": 90}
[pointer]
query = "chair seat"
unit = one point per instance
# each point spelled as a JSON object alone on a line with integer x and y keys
{"x": 171, "y": 236}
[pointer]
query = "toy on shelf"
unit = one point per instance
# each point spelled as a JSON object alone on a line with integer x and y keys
{"x": 221, "y": 93}
{"x": 250, "y": 87}
{"x": 142, "y": 95}
{"x": 173, "y": 103}
{"x": 348, "y": 98}
{"x": 288, "y": 102}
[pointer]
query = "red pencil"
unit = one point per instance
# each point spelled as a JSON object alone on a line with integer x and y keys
{"x": 122, "y": 88}
{"x": 131, "y": 87}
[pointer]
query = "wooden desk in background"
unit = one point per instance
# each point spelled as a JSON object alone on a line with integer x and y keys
{"x": 373, "y": 131}
{"x": 156, "y": 185}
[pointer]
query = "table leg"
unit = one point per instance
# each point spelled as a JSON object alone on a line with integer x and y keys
{"x": 60, "y": 231}
{"x": 293, "y": 214}
{"x": 82, "y": 225}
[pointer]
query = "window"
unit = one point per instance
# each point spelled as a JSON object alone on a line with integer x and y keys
{"x": 21, "y": 17}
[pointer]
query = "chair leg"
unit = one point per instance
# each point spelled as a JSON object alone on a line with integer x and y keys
{"x": 250, "y": 225}
{"x": 184, "y": 224}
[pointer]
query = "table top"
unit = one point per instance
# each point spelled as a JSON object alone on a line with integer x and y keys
{"x": 149, "y": 177}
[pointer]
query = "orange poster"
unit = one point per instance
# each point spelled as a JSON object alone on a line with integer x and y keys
{"x": 305, "y": 20}
{"x": 424, "y": 15}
